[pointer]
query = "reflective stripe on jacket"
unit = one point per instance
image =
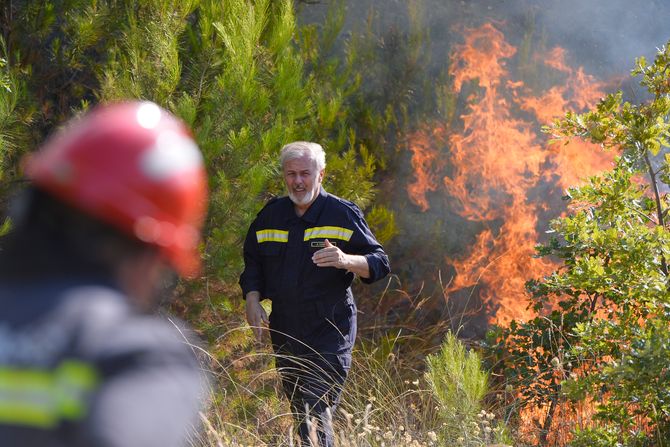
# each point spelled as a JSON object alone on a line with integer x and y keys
{"x": 279, "y": 246}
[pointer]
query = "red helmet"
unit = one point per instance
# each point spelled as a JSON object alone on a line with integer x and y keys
{"x": 136, "y": 167}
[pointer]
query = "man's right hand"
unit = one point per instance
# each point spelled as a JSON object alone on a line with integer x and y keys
{"x": 256, "y": 315}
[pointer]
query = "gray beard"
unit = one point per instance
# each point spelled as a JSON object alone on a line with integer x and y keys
{"x": 305, "y": 200}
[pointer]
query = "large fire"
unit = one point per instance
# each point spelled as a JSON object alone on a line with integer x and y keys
{"x": 494, "y": 167}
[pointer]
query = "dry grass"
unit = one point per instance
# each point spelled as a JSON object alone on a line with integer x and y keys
{"x": 377, "y": 409}
{"x": 387, "y": 401}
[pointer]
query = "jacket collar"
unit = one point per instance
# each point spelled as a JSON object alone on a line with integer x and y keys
{"x": 314, "y": 211}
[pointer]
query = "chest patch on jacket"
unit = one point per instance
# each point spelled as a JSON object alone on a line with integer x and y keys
{"x": 321, "y": 244}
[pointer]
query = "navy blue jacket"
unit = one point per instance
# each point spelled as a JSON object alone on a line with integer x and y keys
{"x": 79, "y": 366}
{"x": 279, "y": 246}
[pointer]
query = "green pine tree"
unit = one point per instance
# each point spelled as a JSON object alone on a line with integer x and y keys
{"x": 242, "y": 73}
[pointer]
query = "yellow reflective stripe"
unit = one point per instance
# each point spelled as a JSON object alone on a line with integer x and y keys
{"x": 328, "y": 233}
{"x": 39, "y": 398}
{"x": 74, "y": 380}
{"x": 271, "y": 235}
{"x": 26, "y": 398}
{"x": 21, "y": 413}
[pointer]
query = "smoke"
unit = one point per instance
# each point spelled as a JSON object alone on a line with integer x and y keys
{"x": 604, "y": 36}
{"x": 599, "y": 39}
{"x": 607, "y": 35}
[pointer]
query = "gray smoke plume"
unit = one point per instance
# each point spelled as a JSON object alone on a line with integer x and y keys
{"x": 602, "y": 36}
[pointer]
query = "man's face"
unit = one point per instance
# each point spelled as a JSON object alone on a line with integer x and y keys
{"x": 303, "y": 181}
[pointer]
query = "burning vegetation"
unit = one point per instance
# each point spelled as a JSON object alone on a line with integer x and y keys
{"x": 564, "y": 323}
{"x": 496, "y": 169}
{"x": 432, "y": 119}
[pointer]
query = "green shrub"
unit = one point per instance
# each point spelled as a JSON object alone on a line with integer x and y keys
{"x": 607, "y": 436}
{"x": 460, "y": 384}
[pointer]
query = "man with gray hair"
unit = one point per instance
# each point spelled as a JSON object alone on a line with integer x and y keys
{"x": 302, "y": 252}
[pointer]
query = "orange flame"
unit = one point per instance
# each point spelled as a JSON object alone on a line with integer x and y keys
{"x": 499, "y": 161}
{"x": 423, "y": 159}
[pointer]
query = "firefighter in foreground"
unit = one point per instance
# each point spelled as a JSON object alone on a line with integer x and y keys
{"x": 116, "y": 203}
{"x": 302, "y": 252}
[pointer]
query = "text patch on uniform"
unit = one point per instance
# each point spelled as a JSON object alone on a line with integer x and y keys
{"x": 320, "y": 244}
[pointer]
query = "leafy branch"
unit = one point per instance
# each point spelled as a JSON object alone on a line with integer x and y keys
{"x": 609, "y": 301}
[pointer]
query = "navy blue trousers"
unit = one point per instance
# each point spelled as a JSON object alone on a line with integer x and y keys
{"x": 313, "y": 344}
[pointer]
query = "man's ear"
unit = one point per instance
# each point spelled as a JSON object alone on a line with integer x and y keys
{"x": 141, "y": 278}
{"x": 322, "y": 174}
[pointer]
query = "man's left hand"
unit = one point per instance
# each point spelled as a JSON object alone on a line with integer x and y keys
{"x": 332, "y": 256}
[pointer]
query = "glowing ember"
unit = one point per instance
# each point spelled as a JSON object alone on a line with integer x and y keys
{"x": 498, "y": 162}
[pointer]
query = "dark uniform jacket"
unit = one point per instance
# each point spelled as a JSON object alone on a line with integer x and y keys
{"x": 79, "y": 367}
{"x": 278, "y": 258}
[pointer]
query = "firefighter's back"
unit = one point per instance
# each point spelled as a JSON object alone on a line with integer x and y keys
{"x": 112, "y": 213}
{"x": 79, "y": 367}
